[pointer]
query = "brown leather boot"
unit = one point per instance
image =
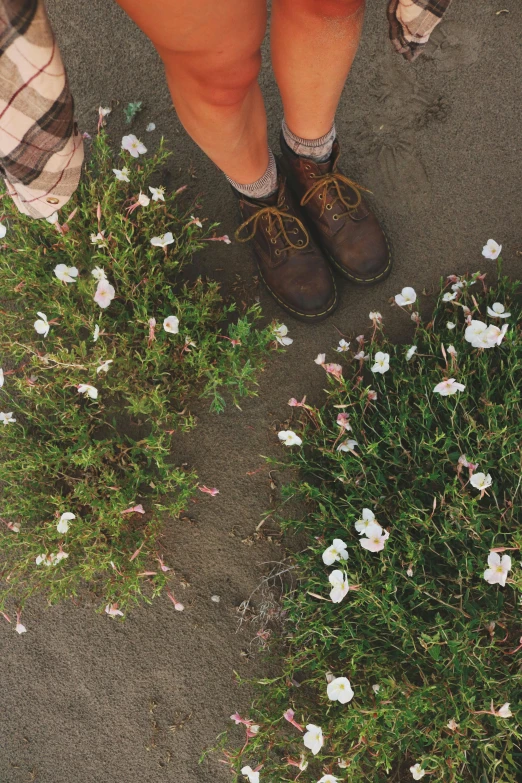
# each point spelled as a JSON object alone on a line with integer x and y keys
{"x": 343, "y": 225}
{"x": 290, "y": 264}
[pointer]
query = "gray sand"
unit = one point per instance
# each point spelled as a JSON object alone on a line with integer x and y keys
{"x": 439, "y": 144}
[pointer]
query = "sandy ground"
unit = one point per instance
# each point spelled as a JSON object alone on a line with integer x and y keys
{"x": 88, "y": 700}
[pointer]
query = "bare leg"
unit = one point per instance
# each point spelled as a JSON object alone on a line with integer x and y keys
{"x": 211, "y": 53}
{"x": 313, "y": 44}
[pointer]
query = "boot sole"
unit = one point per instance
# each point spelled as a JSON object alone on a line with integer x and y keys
{"x": 360, "y": 281}
{"x": 304, "y": 317}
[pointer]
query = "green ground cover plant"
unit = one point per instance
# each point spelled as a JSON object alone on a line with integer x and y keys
{"x": 104, "y": 344}
{"x": 403, "y": 638}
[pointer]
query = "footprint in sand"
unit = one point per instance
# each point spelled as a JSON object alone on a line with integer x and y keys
{"x": 453, "y": 45}
{"x": 393, "y": 167}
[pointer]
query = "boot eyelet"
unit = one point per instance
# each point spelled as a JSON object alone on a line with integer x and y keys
{"x": 320, "y": 196}
{"x": 328, "y": 206}
{"x": 300, "y": 242}
{"x": 278, "y": 252}
{"x": 273, "y": 241}
{"x": 335, "y": 217}
{"x": 307, "y": 168}
{"x": 295, "y": 231}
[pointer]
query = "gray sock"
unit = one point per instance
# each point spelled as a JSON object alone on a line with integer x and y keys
{"x": 263, "y": 187}
{"x": 317, "y": 149}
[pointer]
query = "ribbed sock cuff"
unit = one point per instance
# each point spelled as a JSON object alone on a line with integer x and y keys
{"x": 317, "y": 149}
{"x": 263, "y": 187}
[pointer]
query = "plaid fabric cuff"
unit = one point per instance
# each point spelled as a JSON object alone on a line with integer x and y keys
{"x": 412, "y": 22}
{"x": 41, "y": 150}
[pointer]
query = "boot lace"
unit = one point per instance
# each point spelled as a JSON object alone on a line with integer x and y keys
{"x": 278, "y": 219}
{"x": 332, "y": 183}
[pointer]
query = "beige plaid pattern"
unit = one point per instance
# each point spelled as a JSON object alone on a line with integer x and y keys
{"x": 41, "y": 150}
{"x": 412, "y": 22}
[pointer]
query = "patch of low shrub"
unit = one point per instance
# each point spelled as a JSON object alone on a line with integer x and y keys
{"x": 104, "y": 344}
{"x": 414, "y": 500}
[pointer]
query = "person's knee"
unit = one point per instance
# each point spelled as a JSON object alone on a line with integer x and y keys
{"x": 218, "y": 83}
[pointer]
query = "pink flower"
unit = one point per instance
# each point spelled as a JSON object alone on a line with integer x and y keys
{"x": 289, "y": 716}
{"x": 343, "y": 421}
{"x": 20, "y": 628}
{"x": 236, "y": 717}
{"x": 177, "y": 605}
{"x": 113, "y": 611}
{"x": 209, "y": 491}
{"x": 334, "y": 369}
{"x": 105, "y": 293}
{"x": 162, "y": 564}
{"x": 134, "y": 510}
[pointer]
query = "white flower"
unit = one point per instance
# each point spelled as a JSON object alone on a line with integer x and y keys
{"x": 42, "y": 325}
{"x": 248, "y": 772}
{"x": 382, "y": 362}
{"x": 320, "y": 358}
{"x": 449, "y": 386}
{"x": 452, "y": 351}
{"x": 20, "y": 628}
{"x": 96, "y": 333}
{"x": 104, "y": 367}
{"x": 52, "y": 219}
{"x": 449, "y": 297}
{"x": 375, "y": 316}
{"x": 347, "y": 445}
{"x": 361, "y": 356}
{"x": 162, "y": 241}
{"x": 494, "y": 336}
{"x": 406, "y": 297}
{"x": 67, "y": 274}
{"x": 328, "y": 779}
{"x": 158, "y": 194}
{"x": 340, "y": 690}
{"x": 113, "y": 611}
{"x": 499, "y": 567}
{"x": 491, "y": 250}
{"x": 343, "y": 346}
{"x": 196, "y": 221}
{"x": 104, "y": 112}
{"x": 313, "y": 738}
{"x": 133, "y": 145}
{"x": 171, "y": 324}
{"x": 90, "y": 391}
{"x": 1, "y": 377}
{"x": 98, "y": 239}
{"x": 375, "y": 539}
{"x": 99, "y": 273}
{"x": 450, "y": 325}
{"x": 497, "y": 310}
{"x": 3, "y": 230}
{"x": 143, "y": 199}
{"x": 122, "y": 174}
{"x": 481, "y": 481}
{"x": 340, "y": 586}
{"x": 7, "y": 418}
{"x": 280, "y": 333}
{"x": 289, "y": 438}
{"x": 63, "y": 524}
{"x": 474, "y": 332}
{"x": 457, "y": 286}
{"x": 368, "y": 518}
{"x": 410, "y": 352}
{"x": 55, "y": 558}
{"x": 504, "y": 711}
{"x": 104, "y": 294}
{"x": 417, "y": 771}
{"x": 376, "y": 688}
{"x": 151, "y": 127}
{"x": 452, "y": 724}
{"x": 337, "y": 551}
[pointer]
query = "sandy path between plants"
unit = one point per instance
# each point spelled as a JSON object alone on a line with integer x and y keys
{"x": 439, "y": 144}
